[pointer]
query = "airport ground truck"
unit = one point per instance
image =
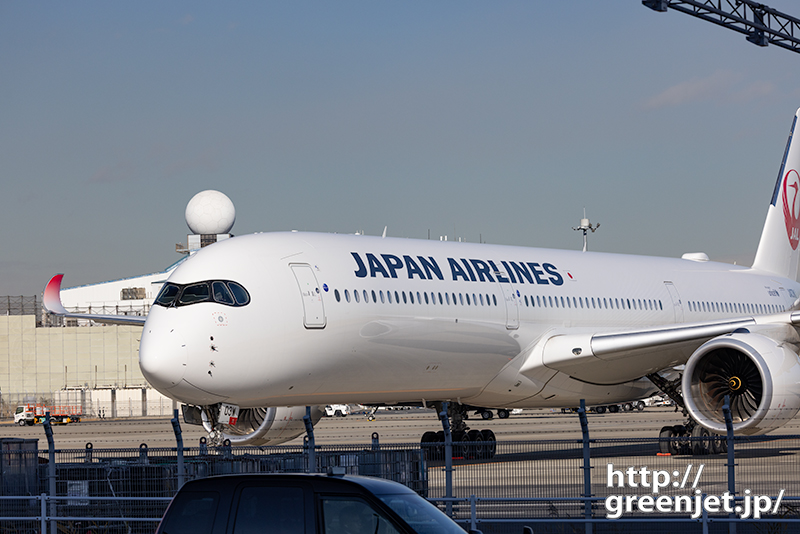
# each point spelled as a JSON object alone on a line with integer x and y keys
{"x": 32, "y": 414}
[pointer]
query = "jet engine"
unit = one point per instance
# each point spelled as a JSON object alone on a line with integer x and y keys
{"x": 761, "y": 376}
{"x": 264, "y": 426}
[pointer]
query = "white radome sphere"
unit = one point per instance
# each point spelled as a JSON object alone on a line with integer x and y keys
{"x": 210, "y": 212}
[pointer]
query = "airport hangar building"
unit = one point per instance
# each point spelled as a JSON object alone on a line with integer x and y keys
{"x": 75, "y": 362}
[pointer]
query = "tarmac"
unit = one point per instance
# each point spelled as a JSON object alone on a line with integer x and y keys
{"x": 401, "y": 426}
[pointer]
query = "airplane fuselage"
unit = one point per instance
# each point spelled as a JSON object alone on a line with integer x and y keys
{"x": 343, "y": 318}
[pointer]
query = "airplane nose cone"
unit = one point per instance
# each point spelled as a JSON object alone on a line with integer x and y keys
{"x": 162, "y": 356}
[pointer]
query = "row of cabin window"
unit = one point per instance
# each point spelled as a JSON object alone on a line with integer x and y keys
{"x": 542, "y": 302}
{"x": 491, "y": 300}
{"x": 733, "y": 307}
{"x": 604, "y": 303}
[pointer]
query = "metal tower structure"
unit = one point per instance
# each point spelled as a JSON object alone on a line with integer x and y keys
{"x": 585, "y": 227}
{"x": 761, "y": 24}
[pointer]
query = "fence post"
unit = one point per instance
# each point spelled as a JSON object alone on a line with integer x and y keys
{"x": 311, "y": 467}
{"x": 43, "y": 511}
{"x": 448, "y": 459}
{"x": 473, "y": 512}
{"x": 726, "y": 410}
{"x": 176, "y": 427}
{"x": 587, "y": 468}
{"x": 705, "y": 516}
{"x": 51, "y": 468}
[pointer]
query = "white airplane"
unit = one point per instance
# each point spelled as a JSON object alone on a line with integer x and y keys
{"x": 258, "y": 323}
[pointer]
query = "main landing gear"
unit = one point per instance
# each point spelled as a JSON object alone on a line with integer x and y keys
{"x": 466, "y": 443}
{"x": 690, "y": 437}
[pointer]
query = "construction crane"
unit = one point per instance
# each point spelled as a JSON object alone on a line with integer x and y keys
{"x": 761, "y": 24}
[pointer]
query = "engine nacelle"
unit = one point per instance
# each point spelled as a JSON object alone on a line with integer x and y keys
{"x": 266, "y": 426}
{"x": 761, "y": 375}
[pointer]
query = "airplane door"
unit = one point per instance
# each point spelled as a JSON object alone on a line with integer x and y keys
{"x": 677, "y": 306}
{"x": 313, "y": 309}
{"x": 512, "y": 305}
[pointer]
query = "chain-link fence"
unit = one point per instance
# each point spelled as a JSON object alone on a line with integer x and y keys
{"x": 497, "y": 488}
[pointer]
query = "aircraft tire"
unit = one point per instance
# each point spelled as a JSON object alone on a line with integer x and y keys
{"x": 627, "y": 407}
{"x": 600, "y": 410}
{"x": 429, "y": 449}
{"x": 701, "y": 445}
{"x": 667, "y": 444}
{"x": 477, "y": 448}
{"x": 486, "y": 414}
{"x": 613, "y": 408}
{"x": 491, "y": 443}
{"x": 460, "y": 444}
{"x": 502, "y": 414}
{"x": 716, "y": 444}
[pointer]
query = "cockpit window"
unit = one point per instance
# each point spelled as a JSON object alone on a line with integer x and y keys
{"x": 195, "y": 293}
{"x": 219, "y": 291}
{"x": 240, "y": 293}
{"x": 168, "y": 294}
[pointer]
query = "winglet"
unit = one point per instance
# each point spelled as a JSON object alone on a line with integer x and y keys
{"x": 52, "y": 296}
{"x": 52, "y": 303}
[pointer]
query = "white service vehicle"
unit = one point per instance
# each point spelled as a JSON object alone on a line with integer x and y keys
{"x": 337, "y": 410}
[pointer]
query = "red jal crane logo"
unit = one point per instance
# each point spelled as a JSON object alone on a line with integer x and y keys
{"x": 791, "y": 208}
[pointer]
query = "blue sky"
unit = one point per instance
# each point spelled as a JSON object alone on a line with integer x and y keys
{"x": 499, "y": 121}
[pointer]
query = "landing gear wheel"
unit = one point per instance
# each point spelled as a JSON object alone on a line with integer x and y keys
{"x": 667, "y": 443}
{"x": 682, "y": 445}
{"x": 460, "y": 444}
{"x": 429, "y": 447}
{"x": 486, "y": 414}
{"x": 627, "y": 407}
{"x": 701, "y": 444}
{"x": 477, "y": 448}
{"x": 600, "y": 410}
{"x": 502, "y": 414}
{"x": 613, "y": 408}
{"x": 719, "y": 444}
{"x": 491, "y": 443}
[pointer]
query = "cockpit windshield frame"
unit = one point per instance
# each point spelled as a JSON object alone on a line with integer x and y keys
{"x": 225, "y": 292}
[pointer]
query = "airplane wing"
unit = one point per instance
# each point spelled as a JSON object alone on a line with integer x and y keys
{"x": 52, "y": 303}
{"x": 616, "y": 357}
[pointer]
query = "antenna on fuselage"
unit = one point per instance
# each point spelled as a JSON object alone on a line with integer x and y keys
{"x": 584, "y": 227}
